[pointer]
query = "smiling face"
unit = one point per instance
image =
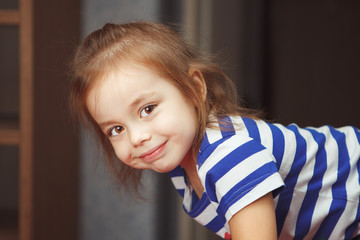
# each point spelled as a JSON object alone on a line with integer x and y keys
{"x": 150, "y": 124}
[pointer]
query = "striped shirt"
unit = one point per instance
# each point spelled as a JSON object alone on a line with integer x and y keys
{"x": 313, "y": 174}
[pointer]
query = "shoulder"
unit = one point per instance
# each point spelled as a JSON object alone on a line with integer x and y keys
{"x": 228, "y": 157}
{"x": 230, "y": 133}
{"x": 225, "y": 127}
{"x": 234, "y": 167}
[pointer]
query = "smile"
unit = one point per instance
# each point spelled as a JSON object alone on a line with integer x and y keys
{"x": 153, "y": 154}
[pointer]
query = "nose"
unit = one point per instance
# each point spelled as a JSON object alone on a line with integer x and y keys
{"x": 138, "y": 135}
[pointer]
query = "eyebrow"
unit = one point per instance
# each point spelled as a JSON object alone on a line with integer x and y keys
{"x": 134, "y": 104}
{"x": 105, "y": 124}
{"x": 141, "y": 98}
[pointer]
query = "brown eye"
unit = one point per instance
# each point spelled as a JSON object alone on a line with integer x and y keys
{"x": 147, "y": 110}
{"x": 115, "y": 131}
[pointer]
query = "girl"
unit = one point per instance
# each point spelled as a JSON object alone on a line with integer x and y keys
{"x": 157, "y": 104}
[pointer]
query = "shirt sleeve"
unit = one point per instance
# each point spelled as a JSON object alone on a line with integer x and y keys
{"x": 237, "y": 171}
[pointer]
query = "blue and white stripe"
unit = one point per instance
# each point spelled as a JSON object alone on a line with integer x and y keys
{"x": 238, "y": 164}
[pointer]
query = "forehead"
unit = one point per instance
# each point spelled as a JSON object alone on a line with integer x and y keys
{"x": 119, "y": 77}
{"x": 127, "y": 76}
{"x": 124, "y": 83}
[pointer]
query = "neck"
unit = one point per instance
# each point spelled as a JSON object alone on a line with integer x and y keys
{"x": 189, "y": 166}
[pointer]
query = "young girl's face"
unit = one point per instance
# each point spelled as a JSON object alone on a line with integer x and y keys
{"x": 149, "y": 122}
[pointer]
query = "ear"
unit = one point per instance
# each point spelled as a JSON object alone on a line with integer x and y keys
{"x": 198, "y": 78}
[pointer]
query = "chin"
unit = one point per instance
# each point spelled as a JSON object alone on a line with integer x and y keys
{"x": 160, "y": 168}
{"x": 160, "y": 171}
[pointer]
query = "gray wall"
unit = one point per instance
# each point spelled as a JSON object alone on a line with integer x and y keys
{"x": 106, "y": 213}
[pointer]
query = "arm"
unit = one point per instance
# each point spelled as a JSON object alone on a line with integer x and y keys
{"x": 256, "y": 221}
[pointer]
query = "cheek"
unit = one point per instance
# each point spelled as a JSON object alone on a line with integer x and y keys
{"x": 122, "y": 152}
{"x": 180, "y": 126}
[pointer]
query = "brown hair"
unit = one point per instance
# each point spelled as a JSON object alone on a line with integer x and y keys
{"x": 161, "y": 49}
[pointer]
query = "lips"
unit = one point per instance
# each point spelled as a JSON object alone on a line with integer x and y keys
{"x": 153, "y": 154}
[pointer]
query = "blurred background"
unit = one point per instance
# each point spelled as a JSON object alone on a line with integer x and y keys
{"x": 298, "y": 61}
